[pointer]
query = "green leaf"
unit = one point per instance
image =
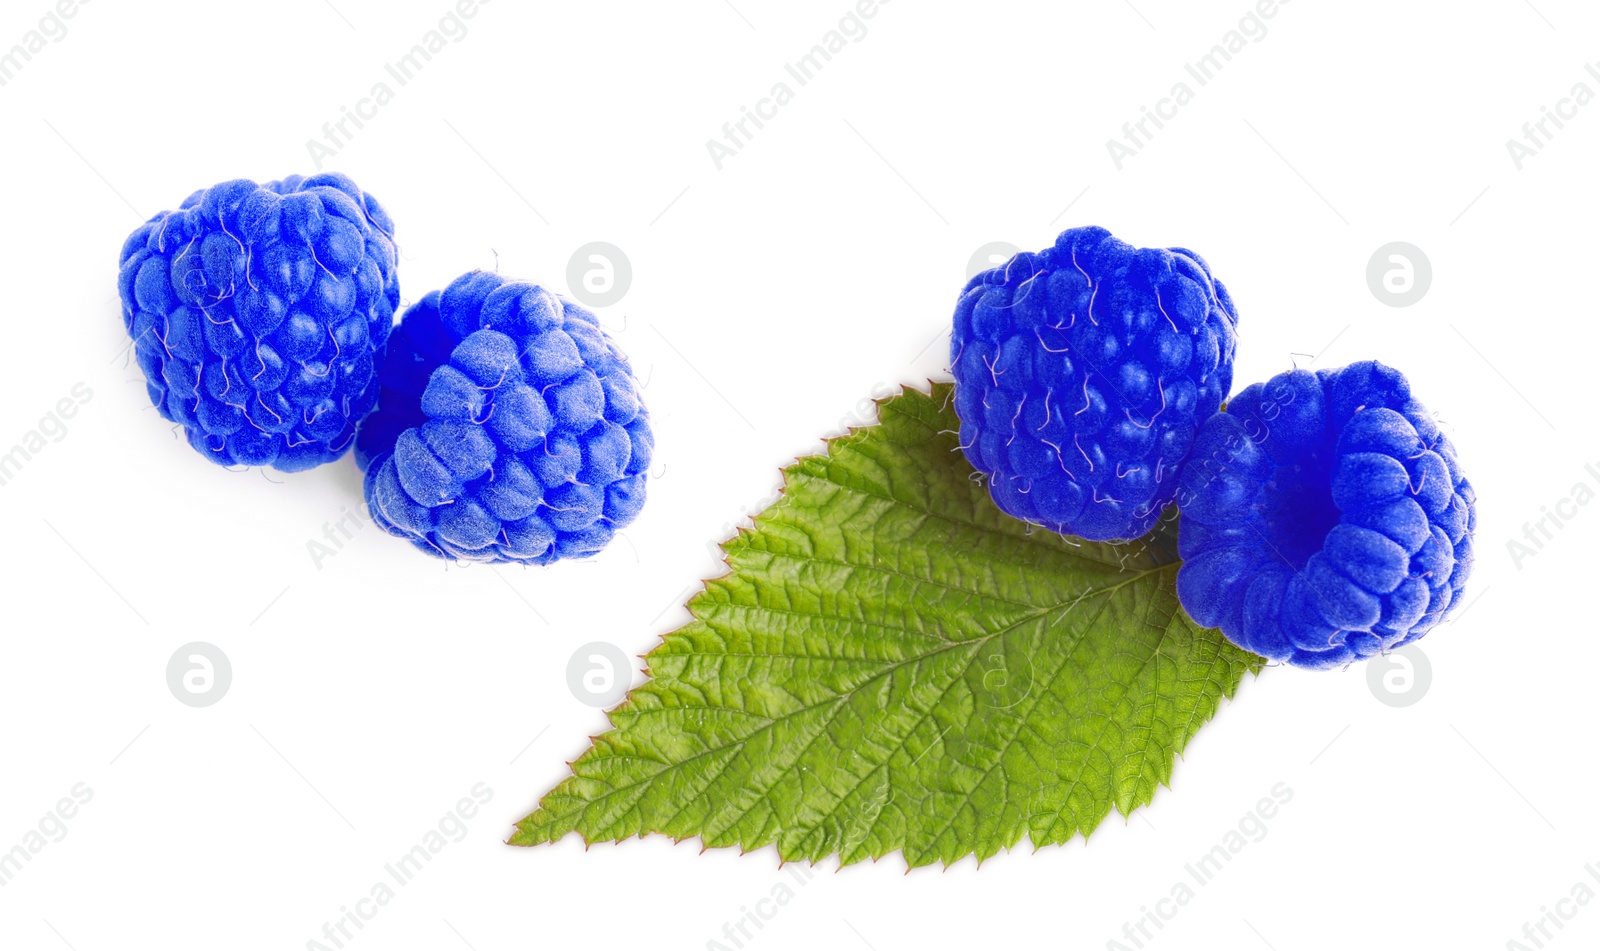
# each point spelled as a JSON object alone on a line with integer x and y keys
{"x": 892, "y": 663}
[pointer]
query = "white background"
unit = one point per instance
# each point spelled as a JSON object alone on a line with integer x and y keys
{"x": 769, "y": 299}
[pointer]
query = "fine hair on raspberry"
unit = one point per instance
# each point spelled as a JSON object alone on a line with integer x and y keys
{"x": 1082, "y": 372}
{"x": 259, "y": 313}
{"x": 1325, "y": 518}
{"x": 509, "y": 427}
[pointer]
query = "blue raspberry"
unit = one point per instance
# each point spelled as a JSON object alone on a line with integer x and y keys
{"x": 1082, "y": 372}
{"x": 1325, "y": 518}
{"x": 258, "y": 315}
{"x": 509, "y": 428}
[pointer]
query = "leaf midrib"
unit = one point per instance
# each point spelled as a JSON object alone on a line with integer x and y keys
{"x": 843, "y": 698}
{"x": 1021, "y": 721}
